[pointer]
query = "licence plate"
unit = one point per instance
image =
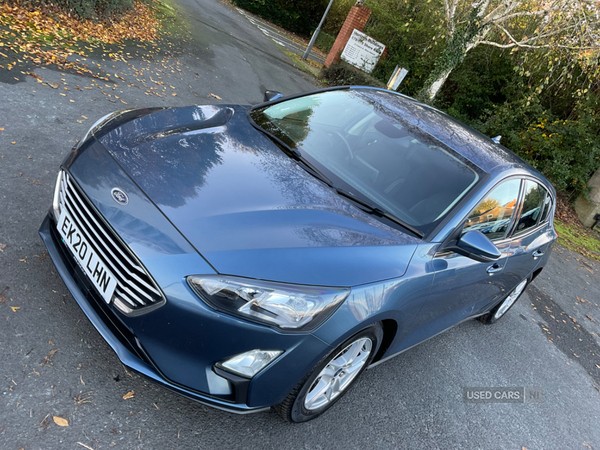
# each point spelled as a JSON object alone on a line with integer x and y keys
{"x": 86, "y": 257}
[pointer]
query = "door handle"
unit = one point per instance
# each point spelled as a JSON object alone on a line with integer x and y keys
{"x": 537, "y": 254}
{"x": 493, "y": 269}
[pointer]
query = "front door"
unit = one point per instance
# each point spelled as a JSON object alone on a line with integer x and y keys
{"x": 462, "y": 286}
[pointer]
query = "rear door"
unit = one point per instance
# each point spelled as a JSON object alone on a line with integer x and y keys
{"x": 532, "y": 233}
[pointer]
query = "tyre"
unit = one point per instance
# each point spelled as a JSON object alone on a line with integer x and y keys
{"x": 502, "y": 308}
{"x": 332, "y": 377}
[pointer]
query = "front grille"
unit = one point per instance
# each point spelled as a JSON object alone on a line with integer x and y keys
{"x": 135, "y": 287}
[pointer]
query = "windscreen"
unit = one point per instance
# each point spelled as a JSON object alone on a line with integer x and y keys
{"x": 369, "y": 148}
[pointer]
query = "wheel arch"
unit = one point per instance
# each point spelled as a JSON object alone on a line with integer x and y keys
{"x": 390, "y": 329}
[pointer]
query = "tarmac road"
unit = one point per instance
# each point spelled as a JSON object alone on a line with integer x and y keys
{"x": 54, "y": 363}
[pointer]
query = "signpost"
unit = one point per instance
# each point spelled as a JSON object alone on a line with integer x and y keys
{"x": 362, "y": 51}
{"x": 316, "y": 33}
{"x": 396, "y": 78}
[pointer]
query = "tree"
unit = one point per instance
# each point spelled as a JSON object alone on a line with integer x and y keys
{"x": 567, "y": 30}
{"x": 487, "y": 205}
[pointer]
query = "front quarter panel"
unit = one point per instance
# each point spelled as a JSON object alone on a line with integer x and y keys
{"x": 398, "y": 299}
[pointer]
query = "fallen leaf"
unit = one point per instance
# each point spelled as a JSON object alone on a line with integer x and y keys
{"x": 2, "y": 247}
{"x": 60, "y": 421}
{"x": 51, "y": 342}
{"x": 128, "y": 395}
{"x": 1, "y": 128}
{"x": 47, "y": 361}
{"x": 13, "y": 142}
{"x": 15, "y": 308}
{"x": 53, "y": 85}
{"x": 215, "y": 96}
{"x": 84, "y": 117}
{"x": 590, "y": 318}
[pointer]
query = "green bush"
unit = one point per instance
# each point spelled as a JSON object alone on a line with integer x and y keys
{"x": 337, "y": 15}
{"x": 342, "y": 74}
{"x": 324, "y": 42}
{"x": 297, "y": 16}
{"x": 567, "y": 151}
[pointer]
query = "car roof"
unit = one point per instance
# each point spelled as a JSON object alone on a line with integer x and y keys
{"x": 464, "y": 140}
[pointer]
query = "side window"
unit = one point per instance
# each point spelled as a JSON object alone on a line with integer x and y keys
{"x": 535, "y": 206}
{"x": 493, "y": 215}
{"x": 546, "y": 208}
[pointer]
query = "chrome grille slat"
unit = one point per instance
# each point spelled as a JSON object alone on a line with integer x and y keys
{"x": 105, "y": 249}
{"x": 107, "y": 260}
{"x": 123, "y": 296}
{"x": 134, "y": 285}
{"x": 72, "y": 190}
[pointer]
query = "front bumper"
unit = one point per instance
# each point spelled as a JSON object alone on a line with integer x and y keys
{"x": 178, "y": 344}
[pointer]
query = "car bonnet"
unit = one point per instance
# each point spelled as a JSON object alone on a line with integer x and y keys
{"x": 246, "y": 207}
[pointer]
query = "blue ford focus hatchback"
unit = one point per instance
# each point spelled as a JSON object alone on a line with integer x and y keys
{"x": 257, "y": 257}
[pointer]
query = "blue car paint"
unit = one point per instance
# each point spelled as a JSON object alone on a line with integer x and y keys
{"x": 210, "y": 194}
{"x": 260, "y": 214}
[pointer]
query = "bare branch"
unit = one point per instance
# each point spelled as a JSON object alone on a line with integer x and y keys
{"x": 541, "y": 12}
{"x": 521, "y": 45}
{"x": 512, "y": 45}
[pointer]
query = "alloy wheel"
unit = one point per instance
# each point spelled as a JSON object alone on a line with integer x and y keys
{"x": 338, "y": 374}
{"x": 512, "y": 297}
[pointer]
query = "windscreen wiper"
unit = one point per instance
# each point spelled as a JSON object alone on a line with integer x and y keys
{"x": 297, "y": 156}
{"x": 372, "y": 209}
{"x": 309, "y": 167}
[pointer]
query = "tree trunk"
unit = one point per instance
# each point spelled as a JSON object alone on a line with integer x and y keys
{"x": 465, "y": 38}
{"x": 434, "y": 84}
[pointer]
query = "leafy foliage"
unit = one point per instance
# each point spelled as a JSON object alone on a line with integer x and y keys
{"x": 566, "y": 150}
{"x": 297, "y": 16}
{"x": 86, "y": 9}
{"x": 342, "y": 74}
{"x": 485, "y": 206}
{"x": 52, "y": 35}
{"x": 324, "y": 42}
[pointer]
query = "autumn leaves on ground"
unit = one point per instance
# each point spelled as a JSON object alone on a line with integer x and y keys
{"x": 49, "y": 35}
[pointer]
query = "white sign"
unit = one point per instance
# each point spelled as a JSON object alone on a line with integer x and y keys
{"x": 362, "y": 51}
{"x": 396, "y": 78}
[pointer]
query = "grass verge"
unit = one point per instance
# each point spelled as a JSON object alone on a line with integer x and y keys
{"x": 579, "y": 239}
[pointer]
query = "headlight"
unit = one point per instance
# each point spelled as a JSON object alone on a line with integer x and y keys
{"x": 250, "y": 363}
{"x": 285, "y": 305}
{"x": 57, "y": 200}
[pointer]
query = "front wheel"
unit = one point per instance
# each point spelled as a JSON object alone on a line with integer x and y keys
{"x": 332, "y": 377}
{"x": 502, "y": 308}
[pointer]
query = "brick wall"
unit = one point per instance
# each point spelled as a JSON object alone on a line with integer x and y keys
{"x": 357, "y": 18}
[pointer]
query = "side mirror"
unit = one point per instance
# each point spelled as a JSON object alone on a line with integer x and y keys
{"x": 476, "y": 245}
{"x": 272, "y": 95}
